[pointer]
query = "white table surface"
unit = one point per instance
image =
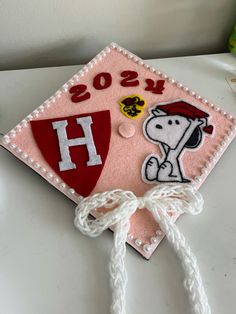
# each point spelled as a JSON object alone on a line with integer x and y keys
{"x": 48, "y": 267}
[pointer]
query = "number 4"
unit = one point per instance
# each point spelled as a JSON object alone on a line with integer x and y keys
{"x": 155, "y": 88}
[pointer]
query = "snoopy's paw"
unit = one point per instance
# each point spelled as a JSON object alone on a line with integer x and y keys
{"x": 166, "y": 165}
{"x": 151, "y": 169}
{"x": 165, "y": 171}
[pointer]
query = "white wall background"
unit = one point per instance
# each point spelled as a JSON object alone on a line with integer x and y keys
{"x": 36, "y": 33}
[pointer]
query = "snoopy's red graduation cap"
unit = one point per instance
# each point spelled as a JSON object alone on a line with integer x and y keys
{"x": 184, "y": 109}
{"x": 85, "y": 139}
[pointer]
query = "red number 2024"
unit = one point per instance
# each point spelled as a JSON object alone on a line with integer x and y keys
{"x": 103, "y": 80}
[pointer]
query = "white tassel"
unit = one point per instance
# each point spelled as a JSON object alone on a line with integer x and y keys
{"x": 161, "y": 201}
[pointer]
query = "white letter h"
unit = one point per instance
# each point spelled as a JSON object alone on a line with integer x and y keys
{"x": 65, "y": 143}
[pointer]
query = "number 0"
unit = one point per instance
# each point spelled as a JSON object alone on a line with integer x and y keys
{"x": 102, "y": 80}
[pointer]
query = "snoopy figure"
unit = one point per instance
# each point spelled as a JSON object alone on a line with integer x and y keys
{"x": 175, "y": 126}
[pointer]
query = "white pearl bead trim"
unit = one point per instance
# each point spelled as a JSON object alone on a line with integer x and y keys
{"x": 30, "y": 160}
{"x": 62, "y": 185}
{"x": 6, "y": 140}
{"x": 138, "y": 242}
{"x": 36, "y": 165}
{"x": 56, "y": 180}
{"x": 159, "y": 233}
{"x": 43, "y": 170}
{"x": 171, "y": 80}
{"x": 147, "y": 247}
{"x": 192, "y": 93}
{"x": 13, "y": 146}
{"x": 130, "y": 236}
{"x": 153, "y": 240}
{"x": 216, "y": 155}
{"x": 164, "y": 76}
{"x": 12, "y": 134}
{"x": 198, "y": 179}
{"x": 18, "y": 150}
{"x": 49, "y": 175}
{"x": 71, "y": 191}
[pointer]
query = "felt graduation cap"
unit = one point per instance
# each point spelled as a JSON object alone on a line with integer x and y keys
{"x": 87, "y": 146}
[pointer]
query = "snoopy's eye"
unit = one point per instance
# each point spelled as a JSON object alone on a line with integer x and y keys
{"x": 158, "y": 126}
{"x": 169, "y": 122}
{"x": 177, "y": 121}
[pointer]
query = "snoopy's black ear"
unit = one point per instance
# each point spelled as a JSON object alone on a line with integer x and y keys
{"x": 157, "y": 112}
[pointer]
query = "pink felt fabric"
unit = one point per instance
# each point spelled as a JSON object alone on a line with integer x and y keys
{"x": 126, "y": 155}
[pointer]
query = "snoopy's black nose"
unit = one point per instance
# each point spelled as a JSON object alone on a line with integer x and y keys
{"x": 158, "y": 126}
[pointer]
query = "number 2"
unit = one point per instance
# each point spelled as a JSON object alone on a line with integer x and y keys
{"x": 79, "y": 93}
{"x": 129, "y": 79}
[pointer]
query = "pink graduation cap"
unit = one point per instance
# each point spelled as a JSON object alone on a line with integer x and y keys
{"x": 88, "y": 140}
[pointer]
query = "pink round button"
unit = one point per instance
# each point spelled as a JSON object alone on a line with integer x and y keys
{"x": 126, "y": 130}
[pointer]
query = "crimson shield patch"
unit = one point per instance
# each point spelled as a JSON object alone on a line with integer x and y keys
{"x": 75, "y": 147}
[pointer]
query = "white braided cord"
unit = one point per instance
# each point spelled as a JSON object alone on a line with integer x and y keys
{"x": 161, "y": 201}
